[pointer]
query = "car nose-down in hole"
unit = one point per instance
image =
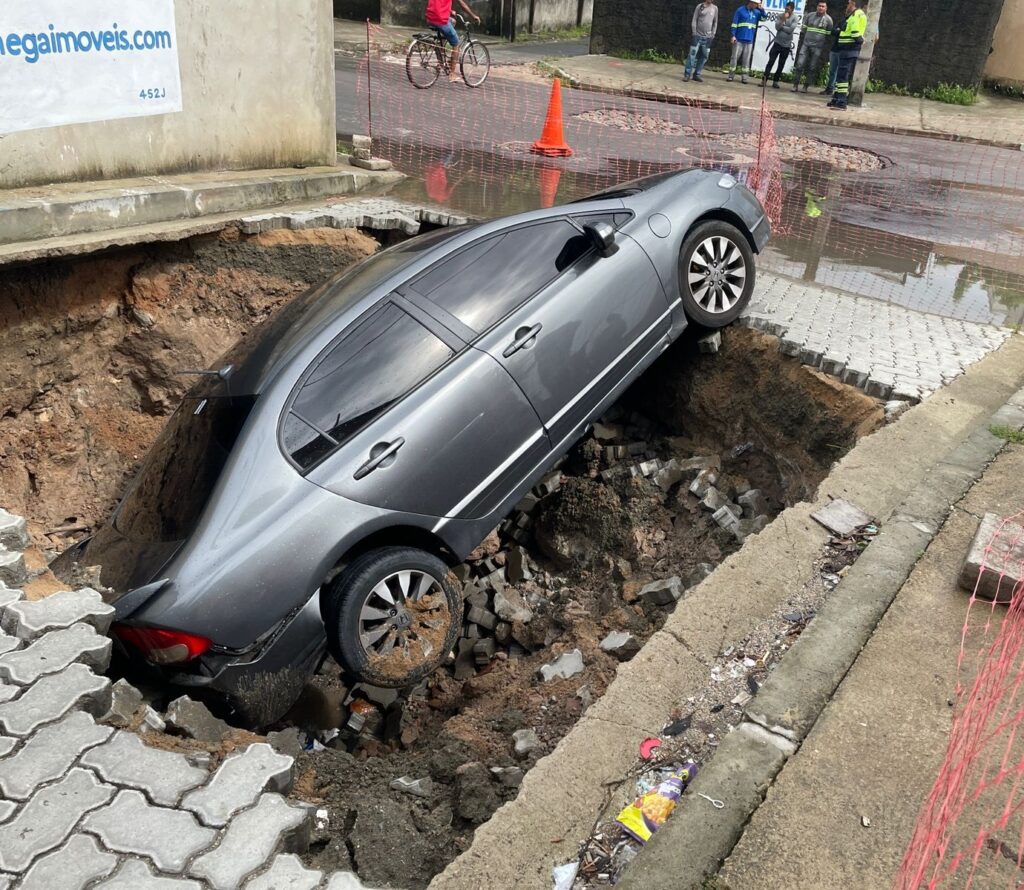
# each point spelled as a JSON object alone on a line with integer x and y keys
{"x": 314, "y": 488}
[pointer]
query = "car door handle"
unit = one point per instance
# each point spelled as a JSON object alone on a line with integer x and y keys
{"x": 524, "y": 340}
{"x": 381, "y": 455}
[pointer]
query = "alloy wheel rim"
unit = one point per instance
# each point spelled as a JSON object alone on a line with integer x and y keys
{"x": 403, "y": 620}
{"x": 716, "y": 274}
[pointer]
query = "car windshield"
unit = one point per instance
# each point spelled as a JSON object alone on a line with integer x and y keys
{"x": 171, "y": 490}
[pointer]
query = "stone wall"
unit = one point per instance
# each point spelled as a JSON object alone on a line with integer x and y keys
{"x": 257, "y": 79}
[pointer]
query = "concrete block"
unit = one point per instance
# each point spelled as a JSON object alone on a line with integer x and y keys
{"x": 727, "y": 516}
{"x": 54, "y": 652}
{"x": 483, "y": 650}
{"x": 622, "y": 644}
{"x": 48, "y": 818}
{"x": 28, "y": 620}
{"x": 661, "y": 593}
{"x": 995, "y": 556}
{"x": 12, "y": 568}
{"x": 137, "y": 875}
{"x": 71, "y": 867}
{"x": 482, "y": 617}
{"x": 286, "y": 872}
{"x": 251, "y": 839}
{"x": 525, "y": 741}
{"x": 163, "y": 775}
{"x": 705, "y": 479}
{"x": 7, "y": 745}
{"x": 668, "y": 475}
{"x": 9, "y": 597}
{"x": 510, "y": 606}
{"x": 713, "y": 499}
{"x": 8, "y": 644}
{"x": 13, "y": 531}
{"x": 49, "y": 753}
{"x": 130, "y": 824}
{"x": 7, "y": 808}
{"x": 754, "y": 503}
{"x": 125, "y": 701}
{"x": 238, "y": 782}
{"x": 194, "y": 720}
{"x": 608, "y": 432}
{"x": 52, "y": 697}
{"x": 370, "y": 164}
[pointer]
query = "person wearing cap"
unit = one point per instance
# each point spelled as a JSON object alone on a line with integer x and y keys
{"x": 849, "y": 41}
{"x": 744, "y": 30}
{"x": 704, "y": 27}
{"x": 814, "y": 43}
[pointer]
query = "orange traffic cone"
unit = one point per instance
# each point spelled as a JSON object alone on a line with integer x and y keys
{"x": 549, "y": 177}
{"x": 552, "y": 142}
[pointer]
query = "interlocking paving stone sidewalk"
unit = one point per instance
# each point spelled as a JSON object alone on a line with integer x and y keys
{"x": 84, "y": 804}
{"x": 884, "y": 349}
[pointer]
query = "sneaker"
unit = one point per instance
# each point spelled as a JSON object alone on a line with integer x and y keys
{"x": 730, "y": 78}
{"x": 743, "y": 80}
{"x": 827, "y": 92}
{"x": 775, "y": 86}
{"x": 698, "y": 78}
{"x": 686, "y": 77}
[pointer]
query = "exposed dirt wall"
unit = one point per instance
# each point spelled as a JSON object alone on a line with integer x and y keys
{"x": 90, "y": 352}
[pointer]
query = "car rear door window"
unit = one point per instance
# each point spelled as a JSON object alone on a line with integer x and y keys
{"x": 375, "y": 364}
{"x": 485, "y": 282}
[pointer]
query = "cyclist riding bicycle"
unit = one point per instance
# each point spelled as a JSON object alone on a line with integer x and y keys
{"x": 439, "y": 17}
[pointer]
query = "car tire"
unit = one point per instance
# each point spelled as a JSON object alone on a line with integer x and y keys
{"x": 373, "y": 629}
{"x": 716, "y": 274}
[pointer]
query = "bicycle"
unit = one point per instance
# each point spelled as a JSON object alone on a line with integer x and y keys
{"x": 428, "y": 56}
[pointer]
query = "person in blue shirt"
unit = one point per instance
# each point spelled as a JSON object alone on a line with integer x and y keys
{"x": 744, "y": 30}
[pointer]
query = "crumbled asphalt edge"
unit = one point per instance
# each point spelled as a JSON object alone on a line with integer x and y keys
{"x": 703, "y": 838}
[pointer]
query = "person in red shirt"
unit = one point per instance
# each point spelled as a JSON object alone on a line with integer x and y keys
{"x": 439, "y": 17}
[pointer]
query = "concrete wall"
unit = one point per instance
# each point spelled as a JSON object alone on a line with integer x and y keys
{"x": 497, "y": 15}
{"x": 257, "y": 80}
{"x": 1006, "y": 64}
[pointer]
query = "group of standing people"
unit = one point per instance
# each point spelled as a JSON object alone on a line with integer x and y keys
{"x": 819, "y": 34}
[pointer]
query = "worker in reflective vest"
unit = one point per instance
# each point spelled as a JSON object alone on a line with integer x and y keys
{"x": 744, "y": 30}
{"x": 849, "y": 42}
{"x": 817, "y": 35}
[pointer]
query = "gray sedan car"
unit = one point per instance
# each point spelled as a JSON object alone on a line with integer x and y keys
{"x": 313, "y": 490}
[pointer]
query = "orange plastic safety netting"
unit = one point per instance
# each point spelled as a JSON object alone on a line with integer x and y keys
{"x": 923, "y": 221}
{"x": 970, "y": 832}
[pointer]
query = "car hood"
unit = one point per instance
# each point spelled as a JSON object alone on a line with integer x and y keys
{"x": 125, "y": 564}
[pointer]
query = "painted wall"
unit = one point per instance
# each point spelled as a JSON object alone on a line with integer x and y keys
{"x": 257, "y": 82}
{"x": 497, "y": 15}
{"x": 1006, "y": 63}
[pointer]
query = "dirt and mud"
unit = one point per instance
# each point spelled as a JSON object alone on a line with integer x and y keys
{"x": 636, "y": 513}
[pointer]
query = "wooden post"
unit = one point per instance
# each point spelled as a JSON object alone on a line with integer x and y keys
{"x": 863, "y": 67}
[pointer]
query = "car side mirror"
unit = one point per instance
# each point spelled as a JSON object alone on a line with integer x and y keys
{"x": 602, "y": 236}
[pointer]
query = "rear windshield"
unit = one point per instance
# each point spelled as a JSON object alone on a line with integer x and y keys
{"x": 173, "y": 486}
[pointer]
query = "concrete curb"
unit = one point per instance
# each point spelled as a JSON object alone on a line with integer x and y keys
{"x": 697, "y": 840}
{"x": 62, "y": 220}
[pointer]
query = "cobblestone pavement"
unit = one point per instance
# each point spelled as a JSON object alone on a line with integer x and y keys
{"x": 83, "y": 804}
{"x": 884, "y": 349}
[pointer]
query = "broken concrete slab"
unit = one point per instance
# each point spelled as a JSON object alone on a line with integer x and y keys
{"x": 993, "y": 566}
{"x": 841, "y": 517}
{"x": 511, "y": 607}
{"x": 662, "y": 593}
{"x": 622, "y": 644}
{"x": 562, "y": 668}
{"x": 194, "y": 720}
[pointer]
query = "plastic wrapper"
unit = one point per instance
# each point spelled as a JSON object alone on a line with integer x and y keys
{"x": 648, "y": 813}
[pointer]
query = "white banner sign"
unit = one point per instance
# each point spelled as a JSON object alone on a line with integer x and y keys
{"x": 766, "y": 33}
{"x": 67, "y": 62}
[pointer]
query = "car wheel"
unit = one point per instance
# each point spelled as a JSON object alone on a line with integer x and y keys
{"x": 392, "y": 616}
{"x": 716, "y": 274}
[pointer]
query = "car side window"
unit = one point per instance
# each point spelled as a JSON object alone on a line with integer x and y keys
{"x": 485, "y": 282}
{"x": 377, "y": 362}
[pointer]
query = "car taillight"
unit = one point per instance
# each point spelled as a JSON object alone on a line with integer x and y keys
{"x": 162, "y": 646}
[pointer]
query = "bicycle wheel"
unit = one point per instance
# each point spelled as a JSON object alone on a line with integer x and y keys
{"x": 422, "y": 65}
{"x": 475, "y": 63}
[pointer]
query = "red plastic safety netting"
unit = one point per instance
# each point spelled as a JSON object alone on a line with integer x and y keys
{"x": 923, "y": 221}
{"x": 970, "y": 832}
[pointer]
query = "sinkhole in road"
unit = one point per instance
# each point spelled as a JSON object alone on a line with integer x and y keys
{"x": 702, "y": 451}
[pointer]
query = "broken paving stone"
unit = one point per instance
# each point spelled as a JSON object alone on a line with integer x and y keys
{"x": 841, "y": 517}
{"x": 622, "y": 644}
{"x": 747, "y": 527}
{"x": 12, "y": 568}
{"x": 483, "y": 650}
{"x": 710, "y": 343}
{"x": 517, "y": 567}
{"x": 713, "y": 499}
{"x": 526, "y": 741}
{"x": 753, "y": 503}
{"x": 417, "y": 787}
{"x": 194, "y": 720}
{"x": 151, "y": 721}
{"x": 669, "y": 474}
{"x": 509, "y": 776}
{"x": 511, "y": 607}
{"x": 705, "y": 479}
{"x": 286, "y": 741}
{"x": 727, "y": 516}
{"x": 608, "y": 432}
{"x": 662, "y": 593}
{"x": 482, "y": 617}
{"x": 125, "y": 701}
{"x": 13, "y": 531}
{"x": 565, "y": 666}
